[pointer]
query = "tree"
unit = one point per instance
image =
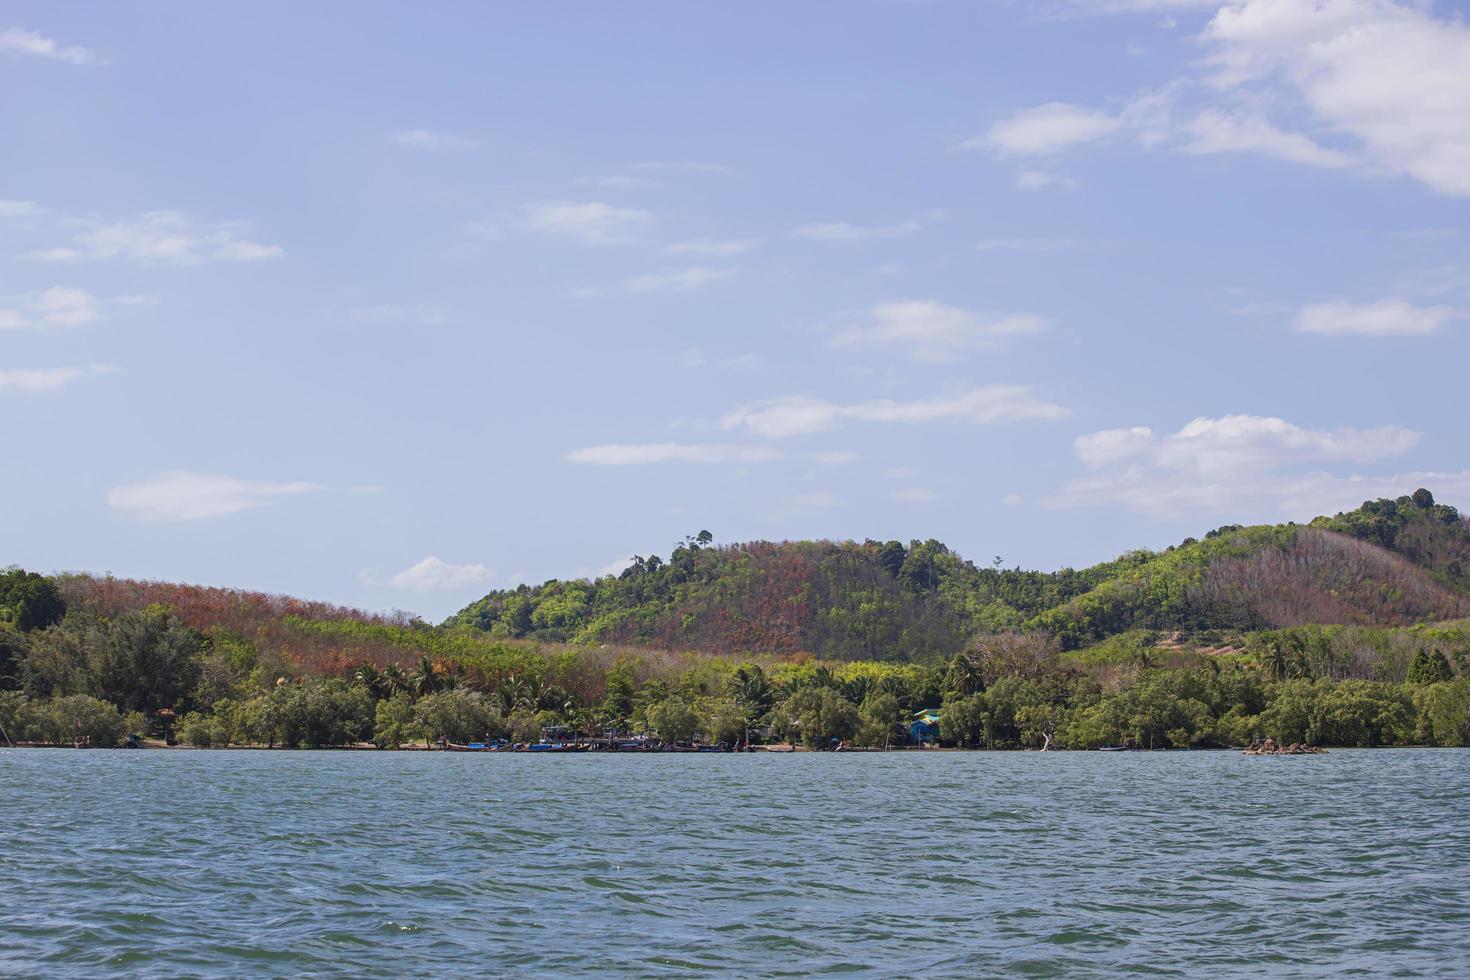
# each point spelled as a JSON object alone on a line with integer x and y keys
{"x": 29, "y": 601}
{"x": 819, "y": 715}
{"x": 146, "y": 660}
{"x": 673, "y": 720}
{"x": 1423, "y": 499}
{"x": 1429, "y": 667}
{"x": 891, "y": 555}
{"x": 881, "y": 717}
{"x": 722, "y": 720}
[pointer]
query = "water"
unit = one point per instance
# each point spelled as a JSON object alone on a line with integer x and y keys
{"x": 948, "y": 864}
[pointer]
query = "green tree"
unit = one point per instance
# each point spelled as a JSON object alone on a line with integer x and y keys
{"x": 1429, "y": 667}
{"x": 673, "y": 720}
{"x": 881, "y": 719}
{"x": 29, "y": 601}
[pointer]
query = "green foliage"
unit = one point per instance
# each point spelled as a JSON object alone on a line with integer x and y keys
{"x": 673, "y": 720}
{"x": 881, "y": 720}
{"x": 29, "y": 601}
{"x": 817, "y": 716}
{"x": 1429, "y": 667}
{"x": 457, "y": 715}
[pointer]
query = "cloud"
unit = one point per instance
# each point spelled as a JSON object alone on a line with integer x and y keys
{"x": 18, "y": 209}
{"x": 932, "y": 331}
{"x": 1046, "y": 128}
{"x": 796, "y": 415}
{"x": 47, "y": 379}
{"x": 1247, "y": 463}
{"x": 841, "y": 231}
{"x": 835, "y": 457}
{"x": 162, "y": 236}
{"x": 676, "y": 280}
{"x": 433, "y": 575}
{"x": 184, "y": 496}
{"x": 1389, "y": 80}
{"x": 1036, "y": 180}
{"x": 589, "y": 222}
{"x": 1386, "y": 318}
{"x": 1214, "y": 131}
{"x": 669, "y": 452}
{"x": 425, "y": 139}
{"x": 916, "y": 495}
{"x": 17, "y": 40}
{"x": 713, "y": 247}
{"x": 58, "y": 306}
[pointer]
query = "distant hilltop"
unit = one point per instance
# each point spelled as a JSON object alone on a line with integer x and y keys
{"x": 1390, "y": 563}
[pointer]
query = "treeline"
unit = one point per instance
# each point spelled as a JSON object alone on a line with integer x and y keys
{"x": 73, "y": 673}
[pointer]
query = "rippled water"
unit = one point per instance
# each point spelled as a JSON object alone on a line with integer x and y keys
{"x": 299, "y": 863}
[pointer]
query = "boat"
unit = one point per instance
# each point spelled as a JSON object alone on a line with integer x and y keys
{"x": 1112, "y": 748}
{"x": 449, "y": 746}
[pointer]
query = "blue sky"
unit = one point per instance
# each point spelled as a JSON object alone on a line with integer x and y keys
{"x": 390, "y": 304}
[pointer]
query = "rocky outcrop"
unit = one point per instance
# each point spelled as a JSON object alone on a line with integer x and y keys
{"x": 1269, "y": 747}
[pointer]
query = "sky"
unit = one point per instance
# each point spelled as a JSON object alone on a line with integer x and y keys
{"x": 392, "y": 304}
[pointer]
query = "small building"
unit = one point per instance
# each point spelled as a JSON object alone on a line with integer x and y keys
{"x": 924, "y": 727}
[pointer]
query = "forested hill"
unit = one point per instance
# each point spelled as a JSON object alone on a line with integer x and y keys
{"x": 1389, "y": 563}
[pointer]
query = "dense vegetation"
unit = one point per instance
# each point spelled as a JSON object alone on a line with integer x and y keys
{"x": 1350, "y": 631}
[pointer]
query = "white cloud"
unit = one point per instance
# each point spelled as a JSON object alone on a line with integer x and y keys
{"x": 18, "y": 209}
{"x": 1250, "y": 464}
{"x": 17, "y": 40}
{"x": 426, "y": 139}
{"x": 166, "y": 236}
{"x": 665, "y": 452}
{"x": 1036, "y": 180}
{"x": 433, "y": 575}
{"x": 676, "y": 280}
{"x": 1214, "y": 131}
{"x": 58, "y": 306}
{"x": 842, "y": 231}
{"x": 184, "y": 496}
{"x": 1390, "y": 317}
{"x": 589, "y": 222}
{"x": 1012, "y": 499}
{"x": 1046, "y": 128}
{"x": 796, "y": 415}
{"x": 47, "y": 379}
{"x": 1388, "y": 81}
{"x": 932, "y": 331}
{"x": 916, "y": 495}
{"x": 835, "y": 457}
{"x": 713, "y": 247}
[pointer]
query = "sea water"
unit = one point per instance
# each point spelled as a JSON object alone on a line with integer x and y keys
{"x": 232, "y": 863}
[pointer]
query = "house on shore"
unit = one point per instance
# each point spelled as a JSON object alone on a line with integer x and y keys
{"x": 924, "y": 727}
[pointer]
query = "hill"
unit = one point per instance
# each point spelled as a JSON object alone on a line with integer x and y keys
{"x": 1353, "y": 630}
{"x": 1389, "y": 563}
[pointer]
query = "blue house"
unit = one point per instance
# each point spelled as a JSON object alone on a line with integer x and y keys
{"x": 925, "y": 726}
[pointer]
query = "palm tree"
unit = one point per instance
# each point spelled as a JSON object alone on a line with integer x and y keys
{"x": 423, "y": 681}
{"x": 392, "y": 680}
{"x": 368, "y": 677}
{"x": 966, "y": 673}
